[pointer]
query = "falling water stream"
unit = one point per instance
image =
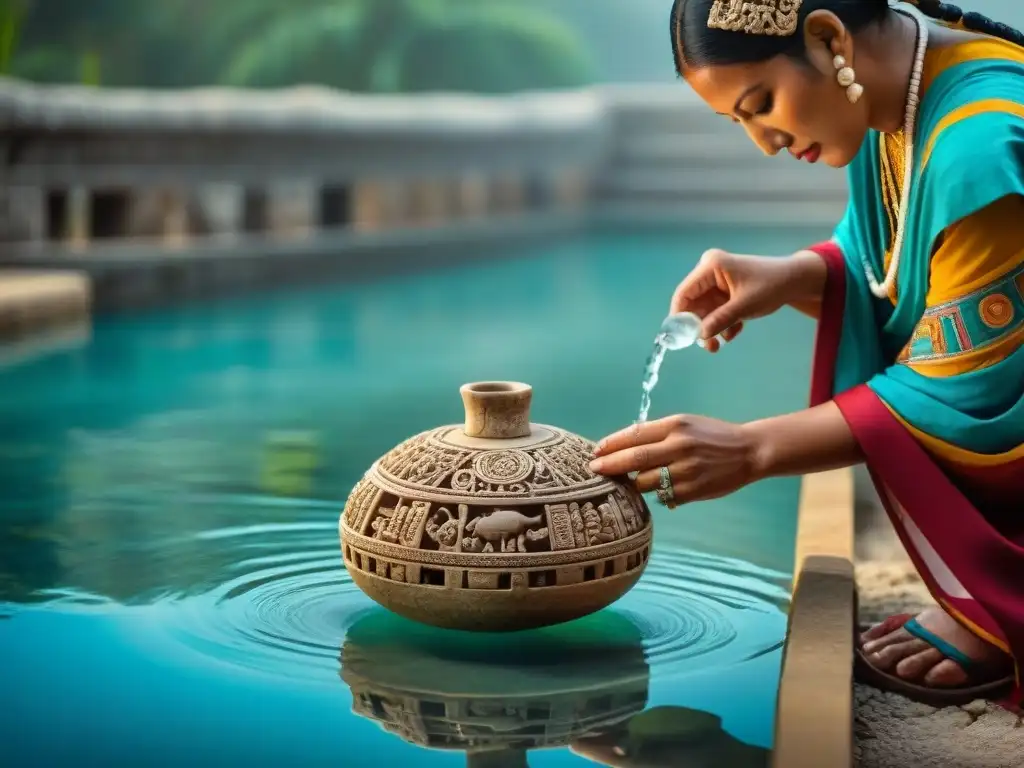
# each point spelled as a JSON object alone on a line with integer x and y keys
{"x": 677, "y": 332}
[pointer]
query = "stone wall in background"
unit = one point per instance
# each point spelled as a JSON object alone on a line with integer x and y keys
{"x": 157, "y": 194}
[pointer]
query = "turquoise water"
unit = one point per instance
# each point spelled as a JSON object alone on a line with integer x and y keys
{"x": 171, "y": 587}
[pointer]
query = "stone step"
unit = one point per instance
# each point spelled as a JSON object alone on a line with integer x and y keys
{"x": 35, "y": 301}
{"x": 791, "y": 183}
{"x": 724, "y": 149}
{"x": 822, "y": 215}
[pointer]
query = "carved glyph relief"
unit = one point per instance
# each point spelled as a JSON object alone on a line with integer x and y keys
{"x": 503, "y": 467}
{"x": 403, "y": 524}
{"x": 481, "y": 528}
{"x": 361, "y": 502}
{"x": 423, "y": 461}
{"x": 427, "y": 461}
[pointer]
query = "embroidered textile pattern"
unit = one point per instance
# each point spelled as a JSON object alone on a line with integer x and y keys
{"x": 755, "y": 17}
{"x": 996, "y": 310}
{"x": 975, "y": 321}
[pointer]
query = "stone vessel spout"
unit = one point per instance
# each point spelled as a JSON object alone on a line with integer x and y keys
{"x": 497, "y": 524}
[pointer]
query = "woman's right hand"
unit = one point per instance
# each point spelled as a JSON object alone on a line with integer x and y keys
{"x": 726, "y": 289}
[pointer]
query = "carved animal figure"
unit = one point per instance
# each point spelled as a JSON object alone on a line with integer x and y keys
{"x": 501, "y": 523}
{"x": 505, "y": 526}
{"x": 444, "y": 531}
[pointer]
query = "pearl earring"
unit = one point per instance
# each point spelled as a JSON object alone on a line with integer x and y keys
{"x": 848, "y": 79}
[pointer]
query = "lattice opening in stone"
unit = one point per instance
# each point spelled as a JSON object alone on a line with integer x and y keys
{"x": 539, "y": 713}
{"x": 433, "y": 709}
{"x": 543, "y": 578}
{"x": 432, "y": 576}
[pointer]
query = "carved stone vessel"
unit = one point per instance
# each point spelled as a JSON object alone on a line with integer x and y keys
{"x": 494, "y": 525}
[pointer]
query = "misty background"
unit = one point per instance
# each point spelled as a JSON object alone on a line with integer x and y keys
{"x": 376, "y": 46}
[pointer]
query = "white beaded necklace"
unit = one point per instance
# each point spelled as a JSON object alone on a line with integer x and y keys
{"x": 910, "y": 118}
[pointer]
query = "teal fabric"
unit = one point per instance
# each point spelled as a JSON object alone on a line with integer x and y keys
{"x": 974, "y": 163}
{"x": 946, "y": 648}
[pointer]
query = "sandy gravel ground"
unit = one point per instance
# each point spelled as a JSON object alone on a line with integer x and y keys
{"x": 892, "y": 732}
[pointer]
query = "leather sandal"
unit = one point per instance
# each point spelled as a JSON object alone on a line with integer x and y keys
{"x": 984, "y": 682}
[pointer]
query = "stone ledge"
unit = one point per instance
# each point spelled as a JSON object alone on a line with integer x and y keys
{"x": 814, "y": 719}
{"x": 306, "y": 109}
{"x": 34, "y": 301}
{"x": 134, "y": 275}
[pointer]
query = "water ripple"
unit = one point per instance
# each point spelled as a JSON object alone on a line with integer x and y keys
{"x": 288, "y": 613}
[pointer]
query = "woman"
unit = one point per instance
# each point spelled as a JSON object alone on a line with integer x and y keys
{"x": 919, "y": 370}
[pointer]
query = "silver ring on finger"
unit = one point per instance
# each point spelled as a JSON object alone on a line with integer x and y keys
{"x": 666, "y": 496}
{"x": 666, "y": 479}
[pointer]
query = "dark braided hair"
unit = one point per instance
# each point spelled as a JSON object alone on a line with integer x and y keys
{"x": 975, "y": 22}
{"x": 695, "y": 45}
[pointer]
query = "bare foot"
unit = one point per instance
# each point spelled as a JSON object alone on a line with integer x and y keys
{"x": 890, "y": 648}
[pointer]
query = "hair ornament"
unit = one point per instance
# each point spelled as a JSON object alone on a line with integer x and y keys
{"x": 755, "y": 17}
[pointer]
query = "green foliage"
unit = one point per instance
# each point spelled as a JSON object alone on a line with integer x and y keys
{"x": 487, "y": 46}
{"x": 314, "y": 47}
{"x": 12, "y": 16}
{"x": 493, "y": 49}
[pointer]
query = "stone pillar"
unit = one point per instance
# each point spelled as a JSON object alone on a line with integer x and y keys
{"x": 220, "y": 204}
{"x": 571, "y": 189}
{"x": 428, "y": 201}
{"x": 22, "y": 214}
{"x": 507, "y": 194}
{"x": 292, "y": 207}
{"x": 379, "y": 204}
{"x": 538, "y": 193}
{"x": 79, "y": 217}
{"x": 395, "y": 204}
{"x": 367, "y": 214}
{"x": 473, "y": 197}
{"x": 453, "y": 199}
{"x": 401, "y": 205}
{"x": 177, "y": 225}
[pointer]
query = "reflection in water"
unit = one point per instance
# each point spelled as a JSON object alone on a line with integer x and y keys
{"x": 670, "y": 737}
{"x": 495, "y": 698}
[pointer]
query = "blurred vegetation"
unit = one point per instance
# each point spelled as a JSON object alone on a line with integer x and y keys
{"x": 484, "y": 46}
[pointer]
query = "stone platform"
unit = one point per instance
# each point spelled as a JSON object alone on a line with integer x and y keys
{"x": 38, "y": 302}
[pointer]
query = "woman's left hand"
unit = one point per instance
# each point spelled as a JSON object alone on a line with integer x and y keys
{"x": 706, "y": 458}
